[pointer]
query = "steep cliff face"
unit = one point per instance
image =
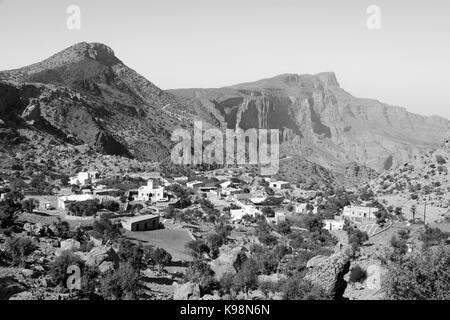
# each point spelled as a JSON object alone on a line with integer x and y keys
{"x": 322, "y": 122}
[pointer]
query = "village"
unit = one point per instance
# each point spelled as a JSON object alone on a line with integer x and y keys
{"x": 213, "y": 217}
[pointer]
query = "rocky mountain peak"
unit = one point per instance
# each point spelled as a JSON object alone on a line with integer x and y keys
{"x": 328, "y": 78}
{"x": 83, "y": 50}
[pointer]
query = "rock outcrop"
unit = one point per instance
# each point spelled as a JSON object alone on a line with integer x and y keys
{"x": 328, "y": 273}
{"x": 187, "y": 291}
{"x": 225, "y": 262}
{"x": 321, "y": 121}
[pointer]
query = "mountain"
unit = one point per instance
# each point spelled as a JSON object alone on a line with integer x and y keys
{"x": 425, "y": 178}
{"x": 322, "y": 122}
{"x": 86, "y": 95}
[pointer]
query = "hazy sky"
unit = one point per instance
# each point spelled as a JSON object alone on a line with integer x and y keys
{"x": 211, "y": 43}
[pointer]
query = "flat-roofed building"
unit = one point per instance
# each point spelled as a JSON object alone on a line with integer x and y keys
{"x": 141, "y": 223}
{"x": 359, "y": 213}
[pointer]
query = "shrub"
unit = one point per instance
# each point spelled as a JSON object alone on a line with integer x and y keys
{"x": 200, "y": 273}
{"x": 30, "y": 204}
{"x": 197, "y": 248}
{"x": 111, "y": 205}
{"x": 247, "y": 277}
{"x": 122, "y": 284}
{"x": 419, "y": 276}
{"x": 18, "y": 248}
{"x": 440, "y": 160}
{"x": 107, "y": 231}
{"x": 433, "y": 236}
{"x": 284, "y": 227}
{"x": 84, "y": 208}
{"x": 131, "y": 253}
{"x": 9, "y": 212}
{"x": 62, "y": 229}
{"x": 357, "y": 274}
{"x": 160, "y": 257}
{"x": 297, "y": 288}
{"x": 58, "y": 269}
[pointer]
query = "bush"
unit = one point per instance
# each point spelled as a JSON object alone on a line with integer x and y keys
{"x": 83, "y": 208}
{"x": 62, "y": 229}
{"x": 433, "y": 236}
{"x": 111, "y": 205}
{"x": 247, "y": 277}
{"x": 9, "y": 212}
{"x": 214, "y": 242}
{"x": 30, "y": 204}
{"x": 105, "y": 230}
{"x": 58, "y": 269}
{"x": 160, "y": 257}
{"x": 200, "y": 273}
{"x": 122, "y": 284}
{"x": 440, "y": 160}
{"x": 357, "y": 274}
{"x": 419, "y": 276}
{"x": 131, "y": 253}
{"x": 297, "y": 288}
{"x": 18, "y": 248}
{"x": 197, "y": 248}
{"x": 284, "y": 227}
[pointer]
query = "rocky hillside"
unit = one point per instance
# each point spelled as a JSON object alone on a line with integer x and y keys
{"x": 321, "y": 121}
{"x": 86, "y": 95}
{"x": 426, "y": 178}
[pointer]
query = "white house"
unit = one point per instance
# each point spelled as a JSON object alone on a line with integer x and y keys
{"x": 330, "y": 224}
{"x": 358, "y": 213}
{"x": 280, "y": 185}
{"x": 277, "y": 218}
{"x": 151, "y": 192}
{"x": 237, "y": 214}
{"x": 181, "y": 179}
{"x": 226, "y": 184}
{"x": 84, "y": 178}
{"x": 300, "y": 208}
{"x": 195, "y": 184}
{"x": 64, "y": 200}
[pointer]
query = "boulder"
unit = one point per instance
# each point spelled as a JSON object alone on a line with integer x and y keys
{"x": 106, "y": 266}
{"x": 98, "y": 255}
{"x": 226, "y": 262}
{"x": 32, "y": 113}
{"x": 27, "y": 273}
{"x": 187, "y": 291}
{"x": 328, "y": 274}
{"x": 70, "y": 244}
{"x": 315, "y": 261}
